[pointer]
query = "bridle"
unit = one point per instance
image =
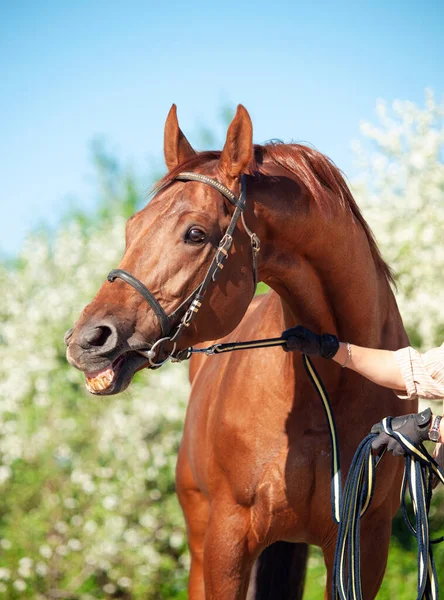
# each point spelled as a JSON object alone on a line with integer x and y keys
{"x": 172, "y": 325}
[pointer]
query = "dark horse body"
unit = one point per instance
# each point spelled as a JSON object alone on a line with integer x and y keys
{"x": 254, "y": 467}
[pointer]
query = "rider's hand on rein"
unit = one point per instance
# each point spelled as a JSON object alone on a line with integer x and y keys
{"x": 415, "y": 427}
{"x": 299, "y": 338}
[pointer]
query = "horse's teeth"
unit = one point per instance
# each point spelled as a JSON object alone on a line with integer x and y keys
{"x": 101, "y": 381}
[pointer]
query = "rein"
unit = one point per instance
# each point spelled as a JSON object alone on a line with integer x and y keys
{"x": 350, "y": 505}
{"x": 419, "y": 470}
{"x": 185, "y": 313}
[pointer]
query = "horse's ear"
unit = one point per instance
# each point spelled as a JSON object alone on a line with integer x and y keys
{"x": 238, "y": 150}
{"x": 176, "y": 147}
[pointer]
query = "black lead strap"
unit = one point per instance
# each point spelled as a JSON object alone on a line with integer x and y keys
{"x": 229, "y": 347}
{"x": 419, "y": 470}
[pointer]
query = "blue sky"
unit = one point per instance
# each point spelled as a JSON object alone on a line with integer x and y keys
{"x": 73, "y": 71}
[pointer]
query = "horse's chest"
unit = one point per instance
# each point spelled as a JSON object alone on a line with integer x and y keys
{"x": 292, "y": 494}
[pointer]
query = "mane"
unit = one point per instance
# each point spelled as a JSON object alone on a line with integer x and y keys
{"x": 318, "y": 173}
{"x": 320, "y": 176}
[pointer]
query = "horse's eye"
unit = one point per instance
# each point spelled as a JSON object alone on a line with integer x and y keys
{"x": 195, "y": 236}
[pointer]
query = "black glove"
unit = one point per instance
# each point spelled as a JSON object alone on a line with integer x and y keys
{"x": 415, "y": 427}
{"x": 307, "y": 342}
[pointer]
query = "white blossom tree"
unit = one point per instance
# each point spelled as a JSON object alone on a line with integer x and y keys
{"x": 87, "y": 500}
{"x": 401, "y": 189}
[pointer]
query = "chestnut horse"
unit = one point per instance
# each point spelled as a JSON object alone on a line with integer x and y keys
{"x": 253, "y": 473}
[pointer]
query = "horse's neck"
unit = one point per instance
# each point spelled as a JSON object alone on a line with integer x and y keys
{"x": 326, "y": 275}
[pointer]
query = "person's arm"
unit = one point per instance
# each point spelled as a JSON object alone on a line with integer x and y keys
{"x": 379, "y": 366}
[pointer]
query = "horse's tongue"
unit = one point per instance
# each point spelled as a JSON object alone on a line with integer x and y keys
{"x": 99, "y": 381}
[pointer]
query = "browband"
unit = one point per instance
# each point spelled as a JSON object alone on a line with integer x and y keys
{"x": 220, "y": 187}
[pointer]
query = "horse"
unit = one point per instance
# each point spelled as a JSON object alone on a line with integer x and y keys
{"x": 253, "y": 470}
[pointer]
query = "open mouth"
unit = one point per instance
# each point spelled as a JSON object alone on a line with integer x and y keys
{"x": 117, "y": 376}
{"x": 101, "y": 381}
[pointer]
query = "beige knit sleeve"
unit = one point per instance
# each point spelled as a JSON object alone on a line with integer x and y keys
{"x": 423, "y": 373}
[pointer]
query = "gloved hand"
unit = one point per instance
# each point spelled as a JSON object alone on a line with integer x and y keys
{"x": 307, "y": 342}
{"x": 414, "y": 426}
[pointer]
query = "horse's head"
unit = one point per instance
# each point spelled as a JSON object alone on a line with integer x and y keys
{"x": 175, "y": 249}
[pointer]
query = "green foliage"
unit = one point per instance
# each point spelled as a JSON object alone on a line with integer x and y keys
{"x": 87, "y": 508}
{"x": 262, "y": 288}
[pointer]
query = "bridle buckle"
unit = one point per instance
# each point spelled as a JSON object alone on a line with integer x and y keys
{"x": 255, "y": 243}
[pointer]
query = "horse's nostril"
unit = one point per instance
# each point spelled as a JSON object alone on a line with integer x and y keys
{"x": 68, "y": 336}
{"x": 98, "y": 336}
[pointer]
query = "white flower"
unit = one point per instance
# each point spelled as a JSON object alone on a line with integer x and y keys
{"x": 61, "y": 527}
{"x": 5, "y": 473}
{"x": 124, "y": 582}
{"x": 19, "y": 585}
{"x": 70, "y": 503}
{"x": 176, "y": 540}
{"x": 148, "y": 521}
{"x": 41, "y": 569}
{"x": 90, "y": 527}
{"x": 109, "y": 588}
{"x": 77, "y": 520}
{"x": 110, "y": 502}
{"x": 74, "y": 544}
{"x": 185, "y": 560}
{"x": 155, "y": 495}
{"x": 45, "y": 551}
{"x": 25, "y": 567}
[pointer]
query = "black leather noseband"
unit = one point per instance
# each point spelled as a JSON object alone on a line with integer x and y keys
{"x": 144, "y": 291}
{"x": 185, "y": 313}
